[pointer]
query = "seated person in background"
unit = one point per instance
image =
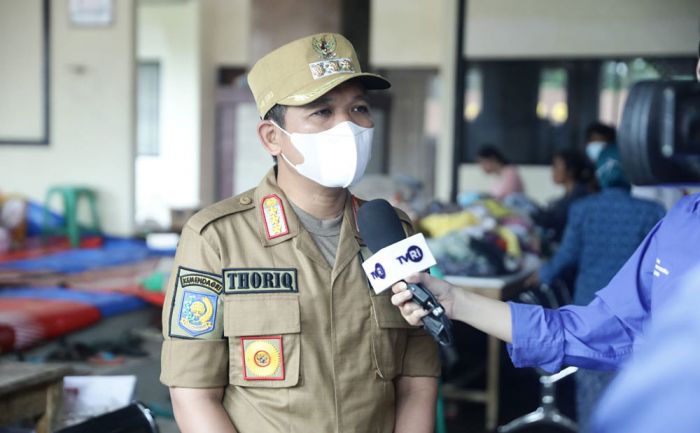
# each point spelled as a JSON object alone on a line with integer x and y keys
{"x": 602, "y": 232}
{"x": 492, "y": 161}
{"x": 572, "y": 170}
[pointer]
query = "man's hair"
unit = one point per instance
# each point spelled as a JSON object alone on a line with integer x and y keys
{"x": 577, "y": 164}
{"x": 276, "y": 114}
{"x": 489, "y": 151}
{"x": 601, "y": 129}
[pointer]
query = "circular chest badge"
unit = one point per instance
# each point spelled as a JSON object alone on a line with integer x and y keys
{"x": 262, "y": 359}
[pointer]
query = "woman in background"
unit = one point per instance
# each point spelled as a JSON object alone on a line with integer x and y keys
{"x": 493, "y": 162}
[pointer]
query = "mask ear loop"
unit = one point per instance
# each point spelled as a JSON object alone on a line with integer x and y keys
{"x": 282, "y": 154}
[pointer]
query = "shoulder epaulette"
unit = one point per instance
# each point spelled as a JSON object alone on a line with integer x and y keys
{"x": 218, "y": 210}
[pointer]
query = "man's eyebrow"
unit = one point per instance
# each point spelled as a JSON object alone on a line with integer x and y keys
{"x": 323, "y": 100}
{"x": 362, "y": 97}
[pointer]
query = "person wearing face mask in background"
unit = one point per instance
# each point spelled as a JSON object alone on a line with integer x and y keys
{"x": 600, "y": 136}
{"x": 269, "y": 323}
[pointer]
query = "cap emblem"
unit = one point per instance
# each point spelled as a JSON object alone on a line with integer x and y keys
{"x": 324, "y": 46}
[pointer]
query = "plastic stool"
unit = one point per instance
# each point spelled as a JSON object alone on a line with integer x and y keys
{"x": 71, "y": 195}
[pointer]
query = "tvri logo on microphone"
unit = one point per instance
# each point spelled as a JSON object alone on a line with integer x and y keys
{"x": 413, "y": 254}
{"x": 397, "y": 261}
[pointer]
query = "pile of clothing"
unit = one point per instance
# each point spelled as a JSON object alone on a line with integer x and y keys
{"x": 481, "y": 238}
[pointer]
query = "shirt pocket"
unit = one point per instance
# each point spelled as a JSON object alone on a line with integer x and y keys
{"x": 264, "y": 340}
{"x": 389, "y": 337}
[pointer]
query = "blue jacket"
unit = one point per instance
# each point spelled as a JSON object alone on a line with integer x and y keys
{"x": 602, "y": 334}
{"x": 658, "y": 390}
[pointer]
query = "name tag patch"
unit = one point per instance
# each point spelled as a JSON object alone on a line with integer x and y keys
{"x": 260, "y": 280}
{"x": 195, "y": 311}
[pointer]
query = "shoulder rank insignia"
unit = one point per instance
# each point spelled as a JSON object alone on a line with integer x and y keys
{"x": 195, "y": 308}
{"x": 263, "y": 358}
{"x": 273, "y": 214}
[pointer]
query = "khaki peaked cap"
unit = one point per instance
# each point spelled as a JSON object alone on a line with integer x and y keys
{"x": 301, "y": 71}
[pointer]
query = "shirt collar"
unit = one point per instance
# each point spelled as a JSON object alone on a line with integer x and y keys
{"x": 276, "y": 219}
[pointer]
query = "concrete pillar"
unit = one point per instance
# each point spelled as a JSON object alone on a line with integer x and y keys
{"x": 444, "y": 150}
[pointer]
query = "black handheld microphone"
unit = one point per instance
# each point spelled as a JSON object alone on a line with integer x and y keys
{"x": 381, "y": 227}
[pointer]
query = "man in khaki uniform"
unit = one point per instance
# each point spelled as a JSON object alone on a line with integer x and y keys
{"x": 269, "y": 322}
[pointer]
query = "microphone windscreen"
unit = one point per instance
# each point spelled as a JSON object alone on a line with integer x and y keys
{"x": 379, "y": 224}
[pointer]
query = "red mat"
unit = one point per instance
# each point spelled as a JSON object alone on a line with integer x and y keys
{"x": 32, "y": 321}
{"x": 38, "y": 247}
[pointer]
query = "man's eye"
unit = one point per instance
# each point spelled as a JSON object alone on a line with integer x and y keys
{"x": 362, "y": 109}
{"x": 323, "y": 112}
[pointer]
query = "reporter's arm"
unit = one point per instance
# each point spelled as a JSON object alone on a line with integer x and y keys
{"x": 485, "y": 314}
{"x": 200, "y": 410}
{"x": 597, "y": 336}
{"x": 415, "y": 404}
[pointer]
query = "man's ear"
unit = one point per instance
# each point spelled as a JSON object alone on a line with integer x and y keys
{"x": 270, "y": 137}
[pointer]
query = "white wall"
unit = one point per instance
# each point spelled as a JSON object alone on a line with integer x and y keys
{"x": 92, "y": 125}
{"x": 537, "y": 180}
{"x": 250, "y": 161}
{"x": 169, "y": 33}
{"x": 573, "y": 28}
{"x": 22, "y": 70}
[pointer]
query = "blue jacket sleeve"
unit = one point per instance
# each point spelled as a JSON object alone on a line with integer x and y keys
{"x": 599, "y": 335}
{"x": 567, "y": 256}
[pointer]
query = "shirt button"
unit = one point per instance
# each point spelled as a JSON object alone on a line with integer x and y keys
{"x": 245, "y": 200}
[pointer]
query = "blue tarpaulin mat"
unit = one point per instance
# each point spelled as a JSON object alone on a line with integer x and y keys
{"x": 115, "y": 252}
{"x": 108, "y": 303}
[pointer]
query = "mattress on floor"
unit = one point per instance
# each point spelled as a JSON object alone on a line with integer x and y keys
{"x": 112, "y": 253}
{"x": 29, "y": 316}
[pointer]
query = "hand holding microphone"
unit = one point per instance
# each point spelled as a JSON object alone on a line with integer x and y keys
{"x": 412, "y": 311}
{"x": 395, "y": 259}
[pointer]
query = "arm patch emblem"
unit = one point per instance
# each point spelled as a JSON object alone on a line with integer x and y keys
{"x": 195, "y": 311}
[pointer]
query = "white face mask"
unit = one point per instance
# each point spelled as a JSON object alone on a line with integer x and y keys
{"x": 593, "y": 150}
{"x": 336, "y": 157}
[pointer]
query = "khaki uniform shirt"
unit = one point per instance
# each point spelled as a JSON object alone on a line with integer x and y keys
{"x": 254, "y": 307}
